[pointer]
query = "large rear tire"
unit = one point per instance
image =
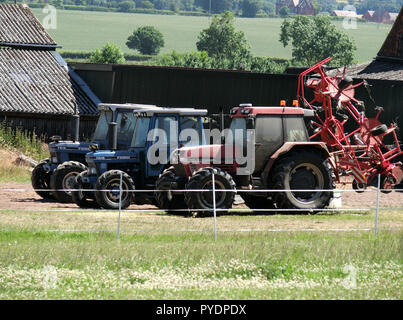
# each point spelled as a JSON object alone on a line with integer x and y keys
{"x": 84, "y": 199}
{"x": 110, "y": 180}
{"x": 63, "y": 178}
{"x": 40, "y": 180}
{"x": 302, "y": 170}
{"x": 169, "y": 201}
{"x": 201, "y": 203}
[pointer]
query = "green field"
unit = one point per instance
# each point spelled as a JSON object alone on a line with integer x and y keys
{"x": 75, "y": 255}
{"x": 84, "y": 30}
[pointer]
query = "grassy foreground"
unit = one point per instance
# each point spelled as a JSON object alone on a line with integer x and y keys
{"x": 40, "y": 261}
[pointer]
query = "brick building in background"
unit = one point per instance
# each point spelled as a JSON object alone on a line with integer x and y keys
{"x": 380, "y": 16}
{"x": 302, "y": 7}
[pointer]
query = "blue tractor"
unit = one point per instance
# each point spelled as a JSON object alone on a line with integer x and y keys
{"x": 67, "y": 158}
{"x": 156, "y": 133}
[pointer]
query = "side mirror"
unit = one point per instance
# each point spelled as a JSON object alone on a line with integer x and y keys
{"x": 250, "y": 123}
{"x": 123, "y": 120}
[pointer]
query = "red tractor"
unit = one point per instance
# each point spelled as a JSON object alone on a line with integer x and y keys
{"x": 280, "y": 157}
{"x": 360, "y": 155}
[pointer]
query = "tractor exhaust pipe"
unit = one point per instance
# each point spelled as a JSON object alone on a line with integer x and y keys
{"x": 113, "y": 136}
{"x": 75, "y": 127}
{"x": 222, "y": 125}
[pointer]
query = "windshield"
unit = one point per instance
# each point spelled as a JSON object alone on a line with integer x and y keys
{"x": 237, "y": 131}
{"x": 126, "y": 125}
{"x": 140, "y": 134}
{"x": 192, "y": 123}
{"x": 101, "y": 131}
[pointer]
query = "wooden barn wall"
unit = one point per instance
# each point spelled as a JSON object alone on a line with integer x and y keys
{"x": 46, "y": 127}
{"x": 210, "y": 90}
{"x": 187, "y": 88}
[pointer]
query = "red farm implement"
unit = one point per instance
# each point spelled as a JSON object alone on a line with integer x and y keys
{"x": 360, "y": 155}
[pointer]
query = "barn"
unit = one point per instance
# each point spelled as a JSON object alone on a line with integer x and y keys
{"x": 381, "y": 16}
{"x": 39, "y": 92}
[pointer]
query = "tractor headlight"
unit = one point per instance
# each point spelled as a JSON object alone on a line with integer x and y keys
{"x": 54, "y": 159}
{"x": 174, "y": 156}
{"x": 183, "y": 157}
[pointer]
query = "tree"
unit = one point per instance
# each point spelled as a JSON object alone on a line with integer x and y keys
{"x": 327, "y": 5}
{"x": 269, "y": 8}
{"x": 147, "y": 40}
{"x": 268, "y": 65}
{"x": 223, "y": 43}
{"x": 146, "y": 4}
{"x": 194, "y": 59}
{"x": 217, "y": 6}
{"x": 187, "y": 5}
{"x": 316, "y": 7}
{"x": 109, "y": 53}
{"x": 316, "y": 38}
{"x": 125, "y": 6}
{"x": 284, "y": 12}
{"x": 251, "y": 7}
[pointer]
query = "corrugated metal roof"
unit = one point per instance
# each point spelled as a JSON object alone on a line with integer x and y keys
{"x": 377, "y": 70}
{"x": 19, "y": 26}
{"x": 32, "y": 81}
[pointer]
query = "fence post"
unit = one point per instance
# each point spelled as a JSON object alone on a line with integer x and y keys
{"x": 120, "y": 205}
{"x": 377, "y": 205}
{"x": 214, "y": 209}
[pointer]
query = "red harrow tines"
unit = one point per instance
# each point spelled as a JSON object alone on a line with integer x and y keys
{"x": 359, "y": 155}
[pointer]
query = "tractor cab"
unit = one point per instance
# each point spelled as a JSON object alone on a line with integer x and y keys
{"x": 67, "y": 158}
{"x": 254, "y": 135}
{"x": 154, "y": 133}
{"x": 264, "y": 148}
{"x": 61, "y": 151}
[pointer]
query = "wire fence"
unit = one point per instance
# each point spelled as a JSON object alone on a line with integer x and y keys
{"x": 216, "y": 210}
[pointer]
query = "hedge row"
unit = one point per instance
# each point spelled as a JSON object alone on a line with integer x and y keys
{"x": 86, "y": 55}
{"x": 165, "y": 12}
{"x": 135, "y": 10}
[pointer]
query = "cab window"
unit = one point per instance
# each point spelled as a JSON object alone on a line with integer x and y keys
{"x": 295, "y": 129}
{"x": 101, "y": 131}
{"x": 194, "y": 124}
{"x": 164, "y": 123}
{"x": 125, "y": 126}
{"x": 140, "y": 133}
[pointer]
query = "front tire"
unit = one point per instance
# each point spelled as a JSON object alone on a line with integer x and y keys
{"x": 84, "y": 199}
{"x": 201, "y": 203}
{"x": 40, "y": 179}
{"x": 302, "y": 170}
{"x": 63, "y": 178}
{"x": 167, "y": 200}
{"x": 110, "y": 180}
